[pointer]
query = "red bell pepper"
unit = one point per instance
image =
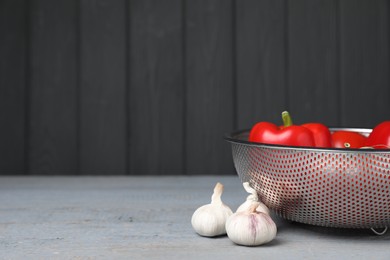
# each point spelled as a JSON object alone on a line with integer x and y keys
{"x": 321, "y": 134}
{"x": 348, "y": 139}
{"x": 380, "y": 136}
{"x": 288, "y": 134}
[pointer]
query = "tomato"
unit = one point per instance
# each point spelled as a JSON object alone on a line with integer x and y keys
{"x": 348, "y": 139}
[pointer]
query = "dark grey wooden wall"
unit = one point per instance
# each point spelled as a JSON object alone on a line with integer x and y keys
{"x": 151, "y": 86}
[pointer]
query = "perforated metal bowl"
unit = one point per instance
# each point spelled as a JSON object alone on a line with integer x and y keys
{"x": 325, "y": 187}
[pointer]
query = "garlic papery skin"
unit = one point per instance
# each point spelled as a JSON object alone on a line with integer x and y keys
{"x": 251, "y": 199}
{"x": 209, "y": 220}
{"x": 251, "y": 228}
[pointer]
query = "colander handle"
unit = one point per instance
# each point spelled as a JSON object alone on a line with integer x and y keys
{"x": 379, "y": 233}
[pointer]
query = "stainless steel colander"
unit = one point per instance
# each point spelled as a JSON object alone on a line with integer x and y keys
{"x": 325, "y": 187}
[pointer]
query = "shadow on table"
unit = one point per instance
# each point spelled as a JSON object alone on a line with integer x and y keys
{"x": 333, "y": 232}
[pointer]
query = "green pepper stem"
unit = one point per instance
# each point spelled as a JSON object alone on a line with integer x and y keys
{"x": 287, "y": 121}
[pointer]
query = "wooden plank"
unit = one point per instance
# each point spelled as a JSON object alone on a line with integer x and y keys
{"x": 313, "y": 61}
{"x": 156, "y": 87}
{"x": 53, "y": 146}
{"x": 12, "y": 85}
{"x": 364, "y": 33}
{"x": 103, "y": 135}
{"x": 209, "y": 90}
{"x": 261, "y": 70}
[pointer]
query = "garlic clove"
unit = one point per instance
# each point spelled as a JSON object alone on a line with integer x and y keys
{"x": 251, "y": 199}
{"x": 252, "y": 191}
{"x": 209, "y": 220}
{"x": 261, "y": 207}
{"x": 251, "y": 228}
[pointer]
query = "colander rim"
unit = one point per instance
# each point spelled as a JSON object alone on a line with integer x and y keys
{"x": 232, "y": 138}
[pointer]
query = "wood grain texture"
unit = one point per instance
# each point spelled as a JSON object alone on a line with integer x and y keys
{"x": 53, "y": 146}
{"x": 149, "y": 218}
{"x": 364, "y": 59}
{"x": 261, "y": 58}
{"x": 209, "y": 89}
{"x": 313, "y": 61}
{"x": 156, "y": 87}
{"x": 13, "y": 51}
{"x": 150, "y": 87}
{"x": 103, "y": 100}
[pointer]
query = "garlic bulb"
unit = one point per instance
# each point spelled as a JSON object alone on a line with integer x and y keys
{"x": 209, "y": 220}
{"x": 251, "y": 199}
{"x": 250, "y": 228}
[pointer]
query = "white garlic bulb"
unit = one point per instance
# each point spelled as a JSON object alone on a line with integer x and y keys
{"x": 251, "y": 228}
{"x": 251, "y": 199}
{"x": 209, "y": 220}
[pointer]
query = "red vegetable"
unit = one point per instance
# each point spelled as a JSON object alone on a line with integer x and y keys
{"x": 380, "y": 136}
{"x": 321, "y": 134}
{"x": 288, "y": 134}
{"x": 348, "y": 139}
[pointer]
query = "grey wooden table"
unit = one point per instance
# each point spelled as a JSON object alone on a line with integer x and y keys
{"x": 148, "y": 218}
